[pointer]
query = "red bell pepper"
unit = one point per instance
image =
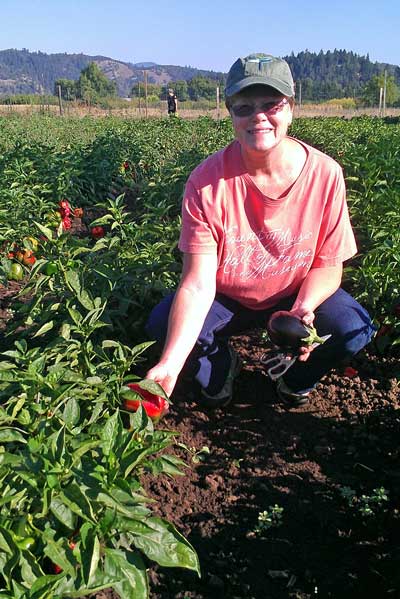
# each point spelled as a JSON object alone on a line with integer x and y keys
{"x": 78, "y": 212}
{"x": 97, "y": 232}
{"x": 155, "y": 406}
{"x": 350, "y": 372}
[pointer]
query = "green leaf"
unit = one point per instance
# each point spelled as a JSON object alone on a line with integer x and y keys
{"x": 7, "y": 365}
{"x": 76, "y": 500}
{"x": 108, "y": 500}
{"x": 75, "y": 315}
{"x": 73, "y": 282}
{"x": 43, "y": 587}
{"x": 12, "y": 497}
{"x": 58, "y": 444}
{"x": 167, "y": 464}
{"x": 56, "y": 551}
{"x": 139, "y": 349}
{"x": 44, "y": 329}
{"x": 62, "y": 512}
{"x": 131, "y": 571}
{"x": 71, "y": 413}
{"x": 11, "y": 435}
{"x": 48, "y": 233}
{"x": 18, "y": 405}
{"x": 7, "y": 544}
{"x": 111, "y": 433}
{"x": 9, "y": 458}
{"x": 106, "y": 343}
{"x": 94, "y": 380}
{"x": 82, "y": 449}
{"x": 65, "y": 331}
{"x": 85, "y": 299}
{"x": 161, "y": 542}
{"x": 140, "y": 421}
{"x": 90, "y": 553}
{"x": 30, "y": 571}
{"x": 153, "y": 387}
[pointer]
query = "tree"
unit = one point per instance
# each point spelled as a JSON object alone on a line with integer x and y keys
{"x": 93, "y": 84}
{"x": 68, "y": 88}
{"x": 153, "y": 89}
{"x": 181, "y": 90}
{"x": 372, "y": 90}
{"x": 201, "y": 88}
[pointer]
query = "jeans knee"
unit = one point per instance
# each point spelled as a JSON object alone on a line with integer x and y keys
{"x": 348, "y": 322}
{"x": 356, "y": 335}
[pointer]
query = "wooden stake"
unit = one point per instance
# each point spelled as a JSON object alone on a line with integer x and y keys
{"x": 59, "y": 99}
{"x": 145, "y": 92}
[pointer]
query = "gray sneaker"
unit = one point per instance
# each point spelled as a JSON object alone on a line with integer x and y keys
{"x": 289, "y": 398}
{"x": 224, "y": 397}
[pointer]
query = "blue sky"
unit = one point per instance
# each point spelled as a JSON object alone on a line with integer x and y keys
{"x": 206, "y": 34}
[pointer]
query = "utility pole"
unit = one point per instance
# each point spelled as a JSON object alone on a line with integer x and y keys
{"x": 380, "y": 100}
{"x": 145, "y": 93}
{"x": 218, "y": 109}
{"x": 384, "y": 95}
{"x": 59, "y": 99}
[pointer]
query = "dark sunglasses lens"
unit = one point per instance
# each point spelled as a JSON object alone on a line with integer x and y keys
{"x": 243, "y": 110}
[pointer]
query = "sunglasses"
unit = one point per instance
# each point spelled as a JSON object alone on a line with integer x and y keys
{"x": 243, "y": 110}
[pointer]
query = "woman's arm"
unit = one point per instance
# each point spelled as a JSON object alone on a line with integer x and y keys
{"x": 319, "y": 284}
{"x": 193, "y": 299}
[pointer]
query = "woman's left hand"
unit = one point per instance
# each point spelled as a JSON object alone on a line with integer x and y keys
{"x": 307, "y": 317}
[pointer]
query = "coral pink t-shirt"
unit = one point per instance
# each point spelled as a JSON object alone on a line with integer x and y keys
{"x": 265, "y": 246}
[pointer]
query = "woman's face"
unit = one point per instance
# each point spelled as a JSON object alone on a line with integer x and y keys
{"x": 260, "y": 117}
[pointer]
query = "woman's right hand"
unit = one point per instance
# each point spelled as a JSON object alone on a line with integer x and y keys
{"x": 163, "y": 375}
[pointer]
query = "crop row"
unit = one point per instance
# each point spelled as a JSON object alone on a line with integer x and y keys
{"x": 89, "y": 217}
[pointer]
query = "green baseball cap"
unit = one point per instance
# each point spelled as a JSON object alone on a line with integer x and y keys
{"x": 260, "y": 69}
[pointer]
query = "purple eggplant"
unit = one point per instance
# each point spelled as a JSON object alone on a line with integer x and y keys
{"x": 288, "y": 331}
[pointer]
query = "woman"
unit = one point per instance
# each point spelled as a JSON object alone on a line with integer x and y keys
{"x": 265, "y": 228}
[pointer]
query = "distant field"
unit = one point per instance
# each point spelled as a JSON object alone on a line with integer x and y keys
{"x": 309, "y": 110}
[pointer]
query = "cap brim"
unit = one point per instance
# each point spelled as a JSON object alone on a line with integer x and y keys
{"x": 280, "y": 86}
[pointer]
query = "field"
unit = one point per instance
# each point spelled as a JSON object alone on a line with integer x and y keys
{"x": 265, "y": 503}
{"x": 186, "y": 112}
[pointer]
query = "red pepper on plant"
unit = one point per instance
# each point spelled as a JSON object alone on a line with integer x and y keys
{"x": 66, "y": 223}
{"x": 350, "y": 372}
{"x": 78, "y": 212}
{"x": 155, "y": 406}
{"x": 57, "y": 569}
{"x": 97, "y": 232}
{"x": 64, "y": 209}
{"x": 26, "y": 257}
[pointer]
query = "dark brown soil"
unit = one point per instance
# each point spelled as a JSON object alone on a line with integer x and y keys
{"x": 261, "y": 455}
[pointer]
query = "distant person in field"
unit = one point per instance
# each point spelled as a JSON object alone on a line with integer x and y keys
{"x": 172, "y": 102}
{"x": 265, "y": 228}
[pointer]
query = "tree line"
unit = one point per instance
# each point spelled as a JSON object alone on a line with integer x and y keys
{"x": 92, "y": 86}
{"x": 319, "y": 77}
{"x": 342, "y": 74}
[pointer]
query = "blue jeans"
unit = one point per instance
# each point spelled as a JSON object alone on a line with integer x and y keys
{"x": 208, "y": 363}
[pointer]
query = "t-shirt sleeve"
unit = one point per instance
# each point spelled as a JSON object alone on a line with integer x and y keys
{"x": 197, "y": 236}
{"x": 336, "y": 242}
